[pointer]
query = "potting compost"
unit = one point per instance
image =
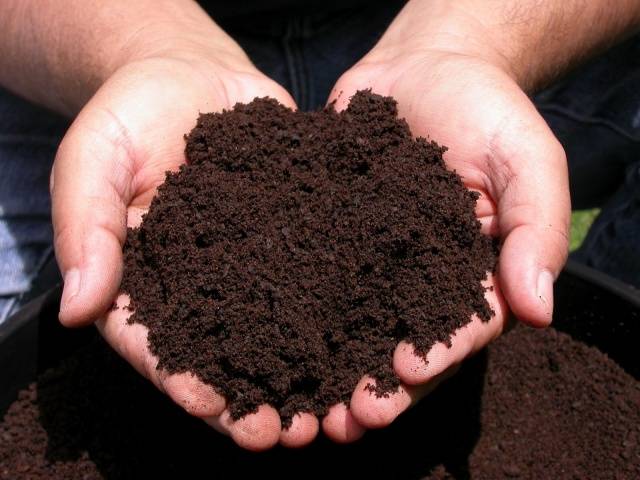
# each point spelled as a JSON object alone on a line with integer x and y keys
{"x": 294, "y": 251}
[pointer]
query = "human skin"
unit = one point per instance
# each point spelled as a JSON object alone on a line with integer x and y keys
{"x": 137, "y": 73}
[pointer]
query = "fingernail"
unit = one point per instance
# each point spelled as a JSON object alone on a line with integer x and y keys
{"x": 545, "y": 289}
{"x": 71, "y": 288}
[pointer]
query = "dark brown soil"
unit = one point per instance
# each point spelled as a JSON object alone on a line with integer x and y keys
{"x": 536, "y": 405}
{"x": 295, "y": 250}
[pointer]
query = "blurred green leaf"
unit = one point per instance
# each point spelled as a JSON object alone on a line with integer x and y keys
{"x": 581, "y": 221}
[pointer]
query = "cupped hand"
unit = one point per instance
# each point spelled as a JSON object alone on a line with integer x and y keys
{"x": 503, "y": 149}
{"x": 106, "y": 172}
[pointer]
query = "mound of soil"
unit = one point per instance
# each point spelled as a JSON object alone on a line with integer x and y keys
{"x": 294, "y": 250}
{"x": 536, "y": 404}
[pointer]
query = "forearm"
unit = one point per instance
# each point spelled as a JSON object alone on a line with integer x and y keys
{"x": 534, "y": 40}
{"x": 58, "y": 53}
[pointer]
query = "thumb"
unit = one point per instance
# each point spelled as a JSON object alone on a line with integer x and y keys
{"x": 534, "y": 211}
{"x": 90, "y": 189}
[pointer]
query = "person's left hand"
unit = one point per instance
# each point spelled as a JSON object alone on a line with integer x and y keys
{"x": 503, "y": 149}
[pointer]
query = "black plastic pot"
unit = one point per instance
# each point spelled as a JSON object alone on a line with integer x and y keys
{"x": 590, "y": 306}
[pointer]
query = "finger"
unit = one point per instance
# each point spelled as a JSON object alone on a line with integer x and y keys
{"x": 197, "y": 398}
{"x": 90, "y": 188}
{"x": 340, "y": 426}
{"x": 413, "y": 369}
{"x": 534, "y": 217}
{"x": 257, "y": 431}
{"x": 304, "y": 428}
{"x": 130, "y": 341}
{"x": 373, "y": 411}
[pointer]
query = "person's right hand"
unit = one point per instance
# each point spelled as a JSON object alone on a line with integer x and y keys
{"x": 106, "y": 172}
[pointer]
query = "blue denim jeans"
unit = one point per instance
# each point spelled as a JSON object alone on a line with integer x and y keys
{"x": 595, "y": 113}
{"x": 29, "y": 137}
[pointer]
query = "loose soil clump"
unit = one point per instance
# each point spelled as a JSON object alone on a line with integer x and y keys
{"x": 294, "y": 250}
{"x": 536, "y": 404}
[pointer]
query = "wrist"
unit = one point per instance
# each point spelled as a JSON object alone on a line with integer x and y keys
{"x": 532, "y": 42}
{"x": 191, "y": 39}
{"x": 443, "y": 28}
{"x": 210, "y": 46}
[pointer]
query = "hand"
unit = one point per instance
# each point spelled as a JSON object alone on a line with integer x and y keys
{"x": 466, "y": 99}
{"x": 106, "y": 172}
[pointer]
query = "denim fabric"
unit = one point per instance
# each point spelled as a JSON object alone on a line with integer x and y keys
{"x": 307, "y": 53}
{"x": 224, "y": 9}
{"x": 595, "y": 113}
{"x": 29, "y": 137}
{"x": 613, "y": 242}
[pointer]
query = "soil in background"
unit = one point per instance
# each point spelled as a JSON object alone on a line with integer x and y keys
{"x": 295, "y": 250}
{"x": 535, "y": 404}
